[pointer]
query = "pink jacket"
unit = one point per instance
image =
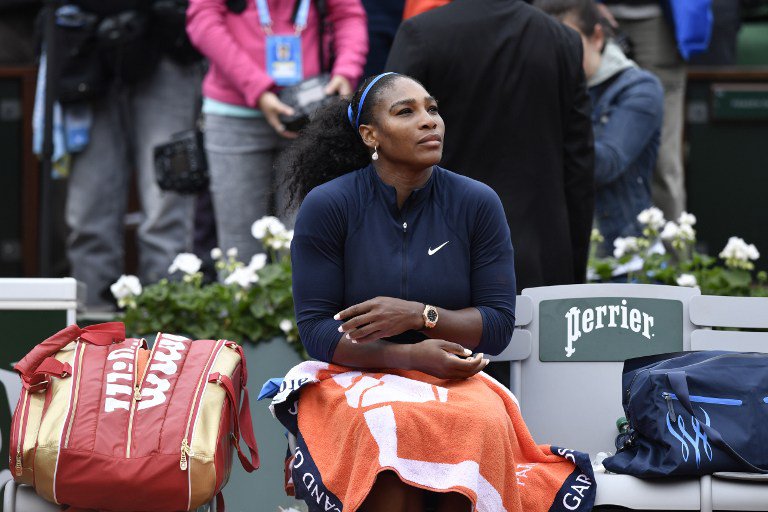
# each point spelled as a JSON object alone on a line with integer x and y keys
{"x": 235, "y": 45}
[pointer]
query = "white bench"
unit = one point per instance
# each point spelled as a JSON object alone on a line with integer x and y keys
{"x": 574, "y": 401}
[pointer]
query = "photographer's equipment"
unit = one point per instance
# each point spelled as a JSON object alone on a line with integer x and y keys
{"x": 305, "y": 98}
{"x": 80, "y": 71}
{"x": 180, "y": 164}
{"x": 125, "y": 46}
{"x": 168, "y": 31}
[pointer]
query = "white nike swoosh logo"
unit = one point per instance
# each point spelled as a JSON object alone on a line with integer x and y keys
{"x": 432, "y": 251}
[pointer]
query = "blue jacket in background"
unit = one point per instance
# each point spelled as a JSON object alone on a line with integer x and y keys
{"x": 626, "y": 119}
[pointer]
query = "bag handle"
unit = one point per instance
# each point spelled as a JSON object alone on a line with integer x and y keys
{"x": 98, "y": 334}
{"x": 679, "y": 384}
{"x": 242, "y": 420}
{"x": 50, "y": 367}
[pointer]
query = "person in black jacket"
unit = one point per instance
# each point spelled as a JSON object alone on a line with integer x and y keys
{"x": 509, "y": 81}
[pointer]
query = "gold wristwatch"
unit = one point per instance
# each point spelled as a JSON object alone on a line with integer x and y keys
{"x": 430, "y": 316}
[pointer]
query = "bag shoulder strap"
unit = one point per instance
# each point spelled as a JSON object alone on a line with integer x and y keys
{"x": 679, "y": 384}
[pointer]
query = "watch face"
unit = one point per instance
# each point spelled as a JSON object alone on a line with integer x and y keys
{"x": 432, "y": 315}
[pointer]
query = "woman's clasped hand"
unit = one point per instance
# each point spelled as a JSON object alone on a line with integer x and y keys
{"x": 440, "y": 359}
{"x": 382, "y": 317}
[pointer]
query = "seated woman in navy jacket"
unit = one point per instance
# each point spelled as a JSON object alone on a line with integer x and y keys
{"x": 397, "y": 263}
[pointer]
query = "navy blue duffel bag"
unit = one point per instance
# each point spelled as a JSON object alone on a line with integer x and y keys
{"x": 694, "y": 413}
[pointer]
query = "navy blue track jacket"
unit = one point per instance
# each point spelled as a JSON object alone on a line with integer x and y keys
{"x": 448, "y": 246}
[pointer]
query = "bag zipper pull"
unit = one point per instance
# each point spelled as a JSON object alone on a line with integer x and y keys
{"x": 19, "y": 469}
{"x": 668, "y": 398}
{"x": 185, "y": 450}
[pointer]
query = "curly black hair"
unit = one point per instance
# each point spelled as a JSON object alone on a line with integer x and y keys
{"x": 329, "y": 146}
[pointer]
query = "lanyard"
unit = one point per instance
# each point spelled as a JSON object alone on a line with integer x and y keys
{"x": 300, "y": 22}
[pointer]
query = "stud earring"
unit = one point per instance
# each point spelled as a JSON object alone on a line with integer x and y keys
{"x": 375, "y": 155}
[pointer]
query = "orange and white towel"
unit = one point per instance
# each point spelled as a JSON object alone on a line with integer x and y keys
{"x": 464, "y": 436}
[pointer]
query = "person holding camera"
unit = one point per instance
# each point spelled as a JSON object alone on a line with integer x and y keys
{"x": 127, "y": 68}
{"x": 256, "y": 48}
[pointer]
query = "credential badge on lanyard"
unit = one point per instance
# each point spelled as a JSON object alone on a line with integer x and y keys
{"x": 284, "y": 51}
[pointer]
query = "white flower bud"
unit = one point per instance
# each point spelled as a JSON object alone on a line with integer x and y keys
{"x": 265, "y": 226}
{"x": 126, "y": 286}
{"x": 258, "y": 261}
{"x": 186, "y": 262}
{"x": 687, "y": 219}
{"x": 670, "y": 232}
{"x": 687, "y": 280}
{"x": 243, "y": 277}
{"x": 686, "y": 232}
{"x": 652, "y": 217}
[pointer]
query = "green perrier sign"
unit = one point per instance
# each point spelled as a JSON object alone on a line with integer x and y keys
{"x": 608, "y": 328}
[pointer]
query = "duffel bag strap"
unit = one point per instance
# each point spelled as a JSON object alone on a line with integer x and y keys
{"x": 679, "y": 384}
{"x": 50, "y": 367}
{"x": 242, "y": 420}
{"x": 98, "y": 334}
{"x": 243, "y": 367}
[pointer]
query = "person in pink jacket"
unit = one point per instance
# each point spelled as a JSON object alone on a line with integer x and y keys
{"x": 255, "y": 47}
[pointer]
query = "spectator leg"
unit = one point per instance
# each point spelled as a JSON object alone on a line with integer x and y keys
{"x": 163, "y": 105}
{"x": 241, "y": 154}
{"x": 656, "y": 51}
{"x": 96, "y": 202}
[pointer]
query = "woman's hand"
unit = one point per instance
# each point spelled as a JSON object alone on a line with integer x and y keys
{"x": 271, "y": 106}
{"x": 440, "y": 359}
{"x": 379, "y": 318}
{"x": 338, "y": 85}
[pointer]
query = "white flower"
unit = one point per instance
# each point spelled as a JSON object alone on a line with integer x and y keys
{"x": 242, "y": 276}
{"x": 265, "y": 226}
{"x": 687, "y": 232}
{"x": 752, "y": 252}
{"x": 687, "y": 219}
{"x": 652, "y": 217}
{"x": 687, "y": 280}
{"x": 624, "y": 246}
{"x": 216, "y": 254}
{"x": 186, "y": 262}
{"x": 737, "y": 249}
{"x": 126, "y": 286}
{"x": 670, "y": 232}
{"x": 232, "y": 252}
{"x": 286, "y": 325}
{"x": 258, "y": 261}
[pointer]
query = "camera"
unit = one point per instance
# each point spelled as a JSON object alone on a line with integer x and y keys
{"x": 180, "y": 164}
{"x": 305, "y": 98}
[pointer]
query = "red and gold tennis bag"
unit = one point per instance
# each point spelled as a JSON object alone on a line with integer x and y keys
{"x": 103, "y": 423}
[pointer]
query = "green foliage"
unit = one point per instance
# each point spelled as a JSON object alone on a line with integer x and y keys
{"x": 679, "y": 263}
{"x": 250, "y": 302}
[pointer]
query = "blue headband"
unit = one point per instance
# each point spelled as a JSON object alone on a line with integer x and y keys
{"x": 356, "y": 123}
